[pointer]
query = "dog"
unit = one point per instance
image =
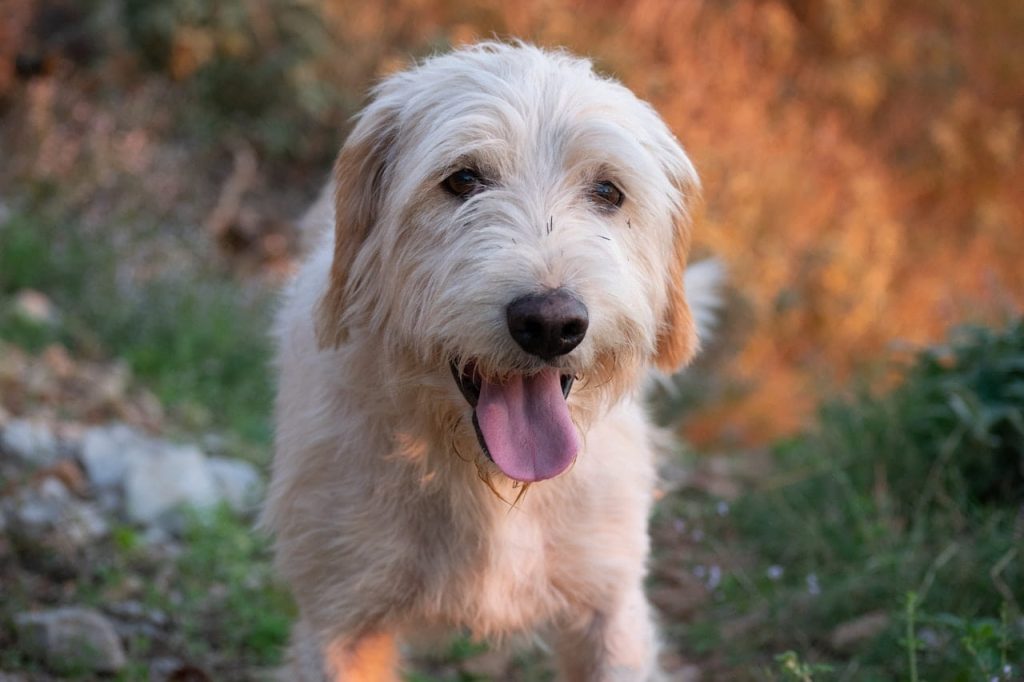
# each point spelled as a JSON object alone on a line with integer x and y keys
{"x": 461, "y": 443}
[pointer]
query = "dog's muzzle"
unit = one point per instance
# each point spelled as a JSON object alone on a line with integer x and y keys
{"x": 522, "y": 420}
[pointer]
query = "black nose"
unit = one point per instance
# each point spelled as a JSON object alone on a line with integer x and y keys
{"x": 548, "y": 325}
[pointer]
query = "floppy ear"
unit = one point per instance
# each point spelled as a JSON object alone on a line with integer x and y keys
{"x": 359, "y": 178}
{"x": 677, "y": 341}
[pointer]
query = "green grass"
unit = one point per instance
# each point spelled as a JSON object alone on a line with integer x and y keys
{"x": 197, "y": 339}
{"x": 226, "y": 612}
{"x": 230, "y": 603}
{"x": 916, "y": 491}
{"x": 907, "y": 503}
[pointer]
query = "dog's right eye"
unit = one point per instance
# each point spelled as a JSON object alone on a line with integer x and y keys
{"x": 463, "y": 183}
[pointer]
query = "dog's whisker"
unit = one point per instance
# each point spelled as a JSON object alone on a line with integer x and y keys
{"x": 520, "y": 496}
{"x": 455, "y": 442}
{"x": 486, "y": 478}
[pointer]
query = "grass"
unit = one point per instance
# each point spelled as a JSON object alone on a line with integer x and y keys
{"x": 226, "y": 612}
{"x": 906, "y": 503}
{"x": 196, "y": 338}
{"x": 221, "y": 607}
{"x": 199, "y": 341}
{"x": 230, "y": 603}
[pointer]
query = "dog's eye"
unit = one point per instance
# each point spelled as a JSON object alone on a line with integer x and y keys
{"x": 463, "y": 183}
{"x": 606, "y": 194}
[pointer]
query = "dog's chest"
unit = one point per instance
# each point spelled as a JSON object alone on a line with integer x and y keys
{"x": 505, "y": 585}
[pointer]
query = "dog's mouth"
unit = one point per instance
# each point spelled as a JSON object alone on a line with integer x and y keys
{"x": 522, "y": 421}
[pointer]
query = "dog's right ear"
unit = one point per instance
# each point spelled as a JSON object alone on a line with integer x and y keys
{"x": 677, "y": 340}
{"x": 359, "y": 178}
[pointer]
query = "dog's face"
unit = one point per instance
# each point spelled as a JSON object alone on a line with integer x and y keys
{"x": 512, "y": 229}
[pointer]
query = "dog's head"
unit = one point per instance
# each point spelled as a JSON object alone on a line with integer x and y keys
{"x": 511, "y": 230}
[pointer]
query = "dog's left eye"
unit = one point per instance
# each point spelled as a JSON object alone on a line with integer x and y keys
{"x": 463, "y": 183}
{"x": 606, "y": 194}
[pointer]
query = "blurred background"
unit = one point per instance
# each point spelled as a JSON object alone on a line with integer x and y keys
{"x": 853, "y": 462}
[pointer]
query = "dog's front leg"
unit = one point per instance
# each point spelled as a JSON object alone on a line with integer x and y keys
{"x": 367, "y": 658}
{"x": 370, "y": 658}
{"x": 616, "y": 646}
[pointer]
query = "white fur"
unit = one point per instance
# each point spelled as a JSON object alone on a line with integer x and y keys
{"x": 384, "y": 527}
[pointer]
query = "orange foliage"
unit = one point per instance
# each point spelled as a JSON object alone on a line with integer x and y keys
{"x": 862, "y": 159}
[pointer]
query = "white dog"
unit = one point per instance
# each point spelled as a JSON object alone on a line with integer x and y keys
{"x": 460, "y": 441}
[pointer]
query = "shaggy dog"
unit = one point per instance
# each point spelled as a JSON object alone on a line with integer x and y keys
{"x": 460, "y": 441}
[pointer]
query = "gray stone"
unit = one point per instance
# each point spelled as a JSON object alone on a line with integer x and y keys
{"x": 51, "y": 529}
{"x": 51, "y": 507}
{"x": 43, "y": 507}
{"x": 107, "y": 452}
{"x": 132, "y": 619}
{"x": 238, "y": 482}
{"x": 174, "y": 476}
{"x": 30, "y": 441}
{"x": 35, "y": 307}
{"x": 71, "y": 638}
{"x": 213, "y": 443}
{"x": 164, "y": 669}
{"x": 132, "y": 610}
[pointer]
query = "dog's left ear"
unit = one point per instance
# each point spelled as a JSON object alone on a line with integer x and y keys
{"x": 677, "y": 341}
{"x": 359, "y": 178}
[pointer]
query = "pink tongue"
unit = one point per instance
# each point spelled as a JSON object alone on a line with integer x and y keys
{"x": 525, "y": 423}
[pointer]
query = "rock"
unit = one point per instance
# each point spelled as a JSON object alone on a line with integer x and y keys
{"x": 35, "y": 307}
{"x": 71, "y": 639}
{"x": 50, "y": 507}
{"x": 175, "y": 475}
{"x": 51, "y": 530}
{"x": 38, "y": 508}
{"x": 848, "y": 636}
{"x": 69, "y": 473}
{"x": 133, "y": 620}
{"x": 132, "y": 610}
{"x": 214, "y": 443}
{"x": 12, "y": 677}
{"x": 30, "y": 441}
{"x": 172, "y": 670}
{"x": 678, "y": 670}
{"x": 56, "y": 359}
{"x": 238, "y": 482}
{"x": 688, "y": 673}
{"x": 156, "y": 477}
{"x": 107, "y": 452}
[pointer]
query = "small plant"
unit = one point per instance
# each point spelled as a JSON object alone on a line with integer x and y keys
{"x": 911, "y": 642}
{"x": 230, "y": 602}
{"x": 909, "y": 497}
{"x": 792, "y": 668}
